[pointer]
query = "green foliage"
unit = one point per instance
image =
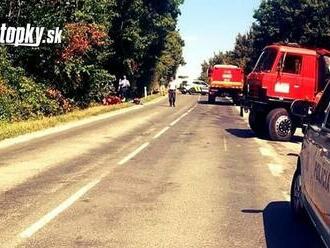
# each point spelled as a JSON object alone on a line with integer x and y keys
{"x": 102, "y": 40}
{"x": 171, "y": 57}
{"x": 21, "y": 97}
{"x": 139, "y": 32}
{"x": 85, "y": 83}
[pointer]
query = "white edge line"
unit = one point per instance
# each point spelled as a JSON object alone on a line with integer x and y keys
{"x": 133, "y": 154}
{"x": 161, "y": 132}
{"x": 56, "y": 211}
{"x": 70, "y": 125}
{"x": 64, "y": 127}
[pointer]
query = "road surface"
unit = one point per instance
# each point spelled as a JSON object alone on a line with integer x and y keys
{"x": 190, "y": 176}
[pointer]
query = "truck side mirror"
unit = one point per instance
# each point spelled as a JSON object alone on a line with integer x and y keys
{"x": 301, "y": 108}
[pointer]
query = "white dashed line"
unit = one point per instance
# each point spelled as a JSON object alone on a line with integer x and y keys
{"x": 179, "y": 119}
{"x": 161, "y": 132}
{"x": 133, "y": 154}
{"x": 225, "y": 144}
{"x": 276, "y": 169}
{"x": 55, "y": 212}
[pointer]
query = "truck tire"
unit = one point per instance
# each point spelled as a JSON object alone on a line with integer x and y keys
{"x": 280, "y": 125}
{"x": 211, "y": 99}
{"x": 257, "y": 122}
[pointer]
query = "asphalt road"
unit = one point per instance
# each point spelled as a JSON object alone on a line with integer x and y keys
{"x": 190, "y": 176}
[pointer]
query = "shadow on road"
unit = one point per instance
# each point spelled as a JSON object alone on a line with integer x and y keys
{"x": 282, "y": 231}
{"x": 241, "y": 133}
{"x": 297, "y": 139}
{"x": 248, "y": 133}
{"x": 220, "y": 103}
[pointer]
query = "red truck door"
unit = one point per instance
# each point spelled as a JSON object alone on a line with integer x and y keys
{"x": 289, "y": 80}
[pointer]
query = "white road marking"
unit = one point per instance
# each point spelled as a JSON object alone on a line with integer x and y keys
{"x": 179, "y": 119}
{"x": 266, "y": 152}
{"x": 133, "y": 154}
{"x": 52, "y": 214}
{"x": 161, "y": 132}
{"x": 225, "y": 144}
{"x": 276, "y": 169}
{"x": 191, "y": 109}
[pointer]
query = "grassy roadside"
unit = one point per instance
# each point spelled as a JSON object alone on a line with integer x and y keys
{"x": 10, "y": 130}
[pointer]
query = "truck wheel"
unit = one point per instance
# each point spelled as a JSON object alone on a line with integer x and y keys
{"x": 280, "y": 125}
{"x": 296, "y": 203}
{"x": 211, "y": 99}
{"x": 257, "y": 122}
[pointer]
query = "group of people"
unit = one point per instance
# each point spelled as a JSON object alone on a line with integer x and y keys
{"x": 124, "y": 89}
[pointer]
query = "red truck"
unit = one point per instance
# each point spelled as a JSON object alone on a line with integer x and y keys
{"x": 282, "y": 75}
{"x": 225, "y": 80}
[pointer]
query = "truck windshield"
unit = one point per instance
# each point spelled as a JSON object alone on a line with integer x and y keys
{"x": 266, "y": 60}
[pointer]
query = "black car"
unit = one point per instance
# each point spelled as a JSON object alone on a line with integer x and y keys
{"x": 310, "y": 190}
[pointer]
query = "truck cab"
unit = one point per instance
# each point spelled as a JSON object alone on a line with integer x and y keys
{"x": 282, "y": 75}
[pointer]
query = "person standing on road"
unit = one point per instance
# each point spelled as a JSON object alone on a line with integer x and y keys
{"x": 172, "y": 92}
{"x": 124, "y": 87}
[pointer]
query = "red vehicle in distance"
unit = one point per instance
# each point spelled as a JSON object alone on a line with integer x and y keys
{"x": 282, "y": 75}
{"x": 225, "y": 80}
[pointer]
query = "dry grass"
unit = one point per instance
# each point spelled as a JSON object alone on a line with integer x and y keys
{"x": 10, "y": 130}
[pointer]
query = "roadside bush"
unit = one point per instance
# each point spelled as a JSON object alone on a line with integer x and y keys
{"x": 101, "y": 84}
{"x": 33, "y": 100}
{"x": 84, "y": 83}
{"x": 21, "y": 97}
{"x": 64, "y": 104}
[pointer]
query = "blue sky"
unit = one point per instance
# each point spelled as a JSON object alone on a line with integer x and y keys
{"x": 209, "y": 26}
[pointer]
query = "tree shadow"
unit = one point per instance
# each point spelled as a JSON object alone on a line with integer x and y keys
{"x": 241, "y": 133}
{"x": 282, "y": 231}
{"x": 219, "y": 103}
{"x": 248, "y": 133}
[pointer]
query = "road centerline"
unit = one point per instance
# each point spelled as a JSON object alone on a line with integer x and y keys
{"x": 134, "y": 153}
{"x": 178, "y": 119}
{"x": 27, "y": 233}
{"x": 161, "y": 132}
{"x": 225, "y": 144}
